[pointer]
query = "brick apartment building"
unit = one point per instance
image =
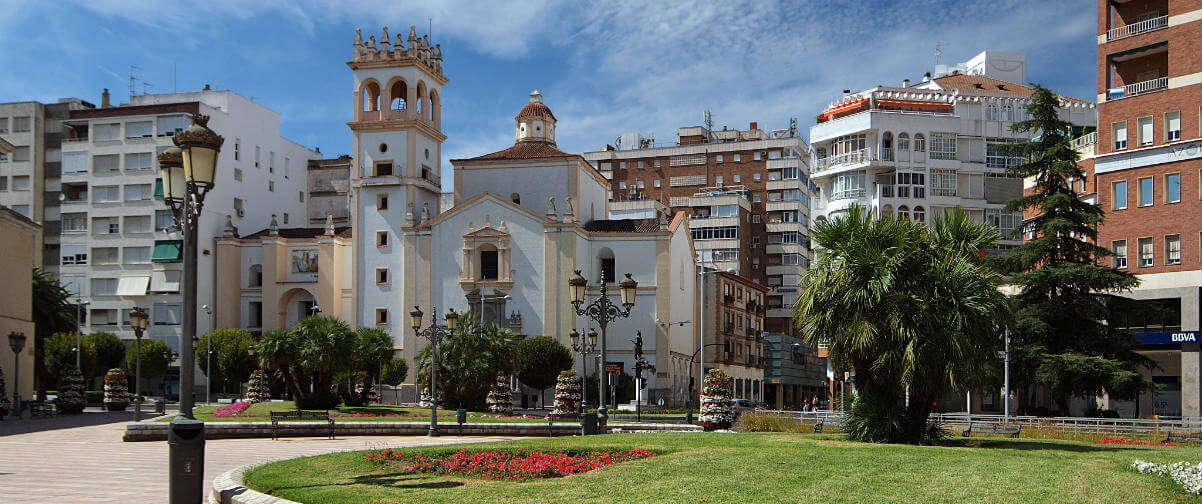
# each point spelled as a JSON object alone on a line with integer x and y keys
{"x": 1146, "y": 168}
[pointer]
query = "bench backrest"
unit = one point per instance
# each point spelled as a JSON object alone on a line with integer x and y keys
{"x": 300, "y": 415}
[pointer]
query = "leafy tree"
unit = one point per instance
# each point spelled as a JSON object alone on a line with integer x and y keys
{"x": 311, "y": 354}
{"x": 154, "y": 359}
{"x": 395, "y": 372}
{"x": 540, "y": 360}
{"x": 371, "y": 347}
{"x": 905, "y": 307}
{"x": 232, "y": 361}
{"x": 60, "y": 353}
{"x": 108, "y": 350}
{"x": 53, "y": 313}
{"x": 1069, "y": 306}
{"x": 469, "y": 361}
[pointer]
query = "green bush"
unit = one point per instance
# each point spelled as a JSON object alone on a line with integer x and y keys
{"x": 318, "y": 400}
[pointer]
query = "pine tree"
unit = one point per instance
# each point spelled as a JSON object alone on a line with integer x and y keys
{"x": 500, "y": 396}
{"x": 1069, "y": 305}
{"x": 567, "y": 394}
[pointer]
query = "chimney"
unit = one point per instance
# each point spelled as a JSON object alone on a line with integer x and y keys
{"x": 846, "y": 93}
{"x": 906, "y": 83}
{"x": 754, "y": 126}
{"x": 207, "y": 88}
{"x": 104, "y": 99}
{"x": 926, "y": 77}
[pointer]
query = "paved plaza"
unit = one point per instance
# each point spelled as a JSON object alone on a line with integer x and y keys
{"x": 82, "y": 460}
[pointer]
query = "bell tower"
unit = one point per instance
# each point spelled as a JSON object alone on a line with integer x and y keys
{"x": 395, "y": 174}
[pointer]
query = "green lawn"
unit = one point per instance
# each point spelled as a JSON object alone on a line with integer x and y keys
{"x": 762, "y": 467}
{"x": 259, "y": 413}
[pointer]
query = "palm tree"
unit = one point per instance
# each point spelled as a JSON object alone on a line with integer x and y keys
{"x": 372, "y": 347}
{"x": 53, "y": 312}
{"x": 910, "y": 309}
{"x": 469, "y": 361}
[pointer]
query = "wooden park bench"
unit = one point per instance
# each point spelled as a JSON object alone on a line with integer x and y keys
{"x": 1184, "y": 437}
{"x": 829, "y": 423}
{"x": 1011, "y": 430}
{"x": 299, "y": 416}
{"x": 41, "y": 409}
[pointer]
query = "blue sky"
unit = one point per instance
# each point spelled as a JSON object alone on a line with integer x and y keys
{"x": 604, "y": 67}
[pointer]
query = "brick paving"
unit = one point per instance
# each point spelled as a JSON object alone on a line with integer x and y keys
{"x": 90, "y": 463}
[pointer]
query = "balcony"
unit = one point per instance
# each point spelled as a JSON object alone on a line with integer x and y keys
{"x": 778, "y": 185}
{"x": 782, "y": 206}
{"x": 1134, "y": 29}
{"x": 855, "y": 157}
{"x": 1139, "y": 88}
{"x": 783, "y": 269}
{"x": 784, "y": 248}
{"x": 783, "y": 227}
{"x": 388, "y": 115}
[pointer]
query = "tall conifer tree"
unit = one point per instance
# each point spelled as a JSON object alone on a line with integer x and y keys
{"x": 1069, "y": 306}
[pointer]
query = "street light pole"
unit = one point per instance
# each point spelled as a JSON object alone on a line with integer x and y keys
{"x": 1006, "y": 412}
{"x": 16, "y": 341}
{"x": 79, "y": 304}
{"x": 188, "y": 173}
{"x": 435, "y": 334}
{"x": 584, "y": 348}
{"x": 602, "y": 311}
{"x": 138, "y": 320}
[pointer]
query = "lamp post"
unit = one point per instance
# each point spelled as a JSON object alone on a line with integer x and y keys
{"x": 79, "y": 304}
{"x": 434, "y": 333}
{"x": 208, "y": 355}
{"x": 584, "y": 347}
{"x": 602, "y": 311}
{"x": 250, "y": 350}
{"x": 16, "y": 341}
{"x": 188, "y": 172}
{"x": 138, "y": 320}
{"x": 1006, "y": 407}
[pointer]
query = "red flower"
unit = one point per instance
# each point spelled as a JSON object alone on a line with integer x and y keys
{"x": 500, "y": 465}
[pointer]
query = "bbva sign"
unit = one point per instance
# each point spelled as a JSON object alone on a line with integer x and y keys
{"x": 1184, "y": 337}
{"x": 1169, "y": 338}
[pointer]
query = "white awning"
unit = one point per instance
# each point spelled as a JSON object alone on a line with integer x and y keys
{"x": 164, "y": 281}
{"x": 132, "y": 286}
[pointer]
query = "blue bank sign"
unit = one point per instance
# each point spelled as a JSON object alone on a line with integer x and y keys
{"x": 1169, "y": 338}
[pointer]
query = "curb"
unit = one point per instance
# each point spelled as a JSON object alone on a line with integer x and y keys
{"x": 157, "y": 431}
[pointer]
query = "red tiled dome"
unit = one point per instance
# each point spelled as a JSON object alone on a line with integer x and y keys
{"x": 535, "y": 109}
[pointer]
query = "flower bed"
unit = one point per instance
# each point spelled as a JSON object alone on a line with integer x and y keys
{"x": 1108, "y": 440}
{"x": 494, "y": 465}
{"x": 231, "y": 410}
{"x": 1189, "y": 476}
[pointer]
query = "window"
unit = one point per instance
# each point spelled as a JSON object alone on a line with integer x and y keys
{"x": 300, "y": 196}
{"x": 1119, "y": 249}
{"x": 271, "y": 162}
{"x": 622, "y": 186}
{"x": 21, "y": 154}
{"x": 381, "y": 316}
{"x": 920, "y": 144}
{"x": 1120, "y": 195}
{"x": 1172, "y": 188}
{"x": 21, "y": 183}
{"x": 21, "y": 124}
{"x": 106, "y": 194}
{"x": 996, "y": 155}
{"x": 756, "y": 219}
{"x": 943, "y": 183}
{"x": 167, "y": 313}
{"x": 756, "y": 156}
{"x": 641, "y": 165}
{"x": 258, "y": 152}
{"x": 137, "y": 192}
{"x": 755, "y": 177}
{"x": 756, "y": 198}
{"x": 1146, "y": 191}
{"x": 270, "y": 186}
{"x": 381, "y": 238}
{"x": 1120, "y": 134}
{"x": 172, "y": 124}
{"x": 106, "y": 163}
{"x": 718, "y": 180}
{"x": 991, "y": 112}
{"x": 737, "y": 178}
{"x": 138, "y": 129}
{"x": 943, "y": 146}
{"x": 106, "y": 132}
{"x": 163, "y": 219}
{"x": 254, "y": 314}
{"x": 903, "y": 212}
{"x": 716, "y": 233}
{"x": 1172, "y": 126}
{"x": 383, "y": 168}
{"x": 104, "y": 286}
{"x": 74, "y": 253}
{"x": 738, "y": 157}
{"x": 1172, "y": 249}
{"x": 75, "y": 222}
{"x": 1145, "y": 131}
{"x": 655, "y": 183}
{"x": 238, "y": 174}
{"x": 105, "y": 255}
{"x": 3, "y": 183}
{"x": 287, "y": 167}
{"x": 136, "y": 255}
{"x": 1145, "y": 252}
{"x": 1007, "y": 113}
{"x": 381, "y": 202}
{"x": 382, "y": 276}
{"x": 238, "y": 207}
{"x": 237, "y": 150}
{"x": 847, "y": 185}
{"x": 488, "y": 265}
{"x": 622, "y": 165}
{"x": 285, "y": 217}
{"x": 137, "y": 224}
{"x": 719, "y": 159}
{"x": 657, "y": 163}
{"x": 920, "y": 214}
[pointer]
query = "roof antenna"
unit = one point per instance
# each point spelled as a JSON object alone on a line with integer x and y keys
{"x": 938, "y": 52}
{"x": 133, "y": 82}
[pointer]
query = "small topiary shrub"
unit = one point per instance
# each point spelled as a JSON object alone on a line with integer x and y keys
{"x": 500, "y": 397}
{"x": 70, "y": 399}
{"x": 567, "y": 394}
{"x": 116, "y": 390}
{"x": 258, "y": 390}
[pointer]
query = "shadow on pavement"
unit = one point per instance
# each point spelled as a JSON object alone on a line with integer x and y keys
{"x": 88, "y": 418}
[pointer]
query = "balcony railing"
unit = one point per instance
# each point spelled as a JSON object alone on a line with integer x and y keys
{"x": 853, "y": 157}
{"x": 1137, "y": 28}
{"x": 1148, "y": 86}
{"x": 1085, "y": 142}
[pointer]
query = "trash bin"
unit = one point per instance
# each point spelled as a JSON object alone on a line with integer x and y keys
{"x": 160, "y": 406}
{"x": 588, "y": 424}
{"x": 186, "y": 452}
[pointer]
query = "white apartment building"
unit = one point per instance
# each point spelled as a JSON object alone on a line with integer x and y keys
{"x": 915, "y": 151}
{"x": 119, "y": 248}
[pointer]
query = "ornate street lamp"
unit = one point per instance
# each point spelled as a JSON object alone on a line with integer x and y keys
{"x": 602, "y": 311}
{"x": 189, "y": 173}
{"x": 435, "y": 334}
{"x": 584, "y": 347}
{"x": 16, "y": 341}
{"x": 139, "y": 321}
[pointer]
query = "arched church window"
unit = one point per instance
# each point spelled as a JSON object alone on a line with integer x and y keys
{"x": 516, "y": 198}
{"x": 607, "y": 264}
{"x": 488, "y": 263}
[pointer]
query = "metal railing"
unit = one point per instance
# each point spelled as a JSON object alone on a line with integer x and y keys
{"x": 853, "y": 157}
{"x": 1138, "y": 88}
{"x": 1086, "y": 141}
{"x": 1137, "y": 28}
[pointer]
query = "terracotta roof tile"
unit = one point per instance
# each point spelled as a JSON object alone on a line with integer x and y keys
{"x": 535, "y": 109}
{"x": 300, "y": 233}
{"x": 526, "y": 150}
{"x": 623, "y": 225}
{"x": 988, "y": 86}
